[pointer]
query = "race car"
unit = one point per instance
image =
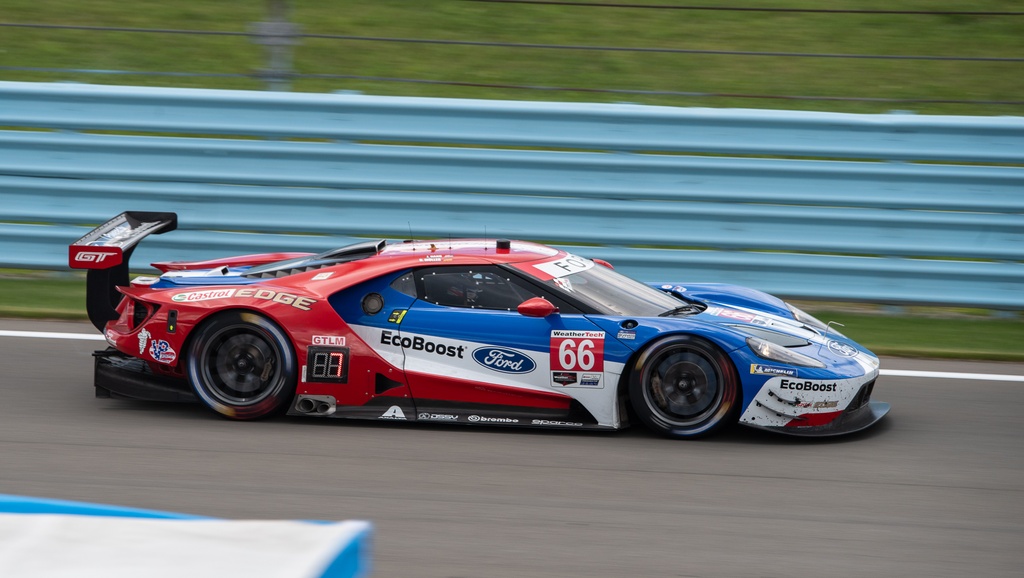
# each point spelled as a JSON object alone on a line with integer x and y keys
{"x": 466, "y": 331}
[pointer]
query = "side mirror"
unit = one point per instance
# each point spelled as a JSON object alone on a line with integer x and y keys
{"x": 537, "y": 307}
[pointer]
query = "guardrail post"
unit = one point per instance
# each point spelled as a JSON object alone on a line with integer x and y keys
{"x": 278, "y": 35}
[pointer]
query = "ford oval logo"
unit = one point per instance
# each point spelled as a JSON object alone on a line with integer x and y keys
{"x": 503, "y": 360}
{"x": 842, "y": 349}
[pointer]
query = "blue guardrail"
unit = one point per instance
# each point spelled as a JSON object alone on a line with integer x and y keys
{"x": 894, "y": 208}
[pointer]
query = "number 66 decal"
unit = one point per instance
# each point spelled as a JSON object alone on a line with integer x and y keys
{"x": 577, "y": 350}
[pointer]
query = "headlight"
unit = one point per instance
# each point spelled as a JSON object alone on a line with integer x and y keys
{"x": 774, "y": 352}
{"x": 812, "y": 321}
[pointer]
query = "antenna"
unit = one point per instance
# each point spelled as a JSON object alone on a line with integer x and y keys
{"x": 825, "y": 337}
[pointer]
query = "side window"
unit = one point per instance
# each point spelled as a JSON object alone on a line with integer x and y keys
{"x": 473, "y": 287}
{"x": 405, "y": 284}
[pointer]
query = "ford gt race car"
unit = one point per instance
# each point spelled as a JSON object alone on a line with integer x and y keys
{"x": 468, "y": 331}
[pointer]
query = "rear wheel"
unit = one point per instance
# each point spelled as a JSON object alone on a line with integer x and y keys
{"x": 684, "y": 387}
{"x": 242, "y": 366}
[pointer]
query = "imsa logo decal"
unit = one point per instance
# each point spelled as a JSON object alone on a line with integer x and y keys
{"x": 503, "y": 360}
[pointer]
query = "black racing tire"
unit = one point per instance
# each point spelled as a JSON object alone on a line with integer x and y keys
{"x": 242, "y": 365}
{"x": 684, "y": 387}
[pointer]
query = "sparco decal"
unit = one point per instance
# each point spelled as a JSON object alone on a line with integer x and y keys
{"x": 807, "y": 385}
{"x": 482, "y": 419}
{"x": 550, "y": 422}
{"x": 420, "y": 344}
{"x": 503, "y": 360}
{"x": 761, "y": 369}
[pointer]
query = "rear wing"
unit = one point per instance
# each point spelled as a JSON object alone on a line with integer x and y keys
{"x": 105, "y": 252}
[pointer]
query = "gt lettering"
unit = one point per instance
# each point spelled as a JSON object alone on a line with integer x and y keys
{"x": 92, "y": 257}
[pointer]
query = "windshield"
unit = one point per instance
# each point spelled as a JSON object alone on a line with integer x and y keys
{"x": 605, "y": 290}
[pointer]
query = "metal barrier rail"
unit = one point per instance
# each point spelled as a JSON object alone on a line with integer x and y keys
{"x": 811, "y": 228}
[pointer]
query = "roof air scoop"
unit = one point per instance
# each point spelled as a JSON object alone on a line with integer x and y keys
{"x": 325, "y": 259}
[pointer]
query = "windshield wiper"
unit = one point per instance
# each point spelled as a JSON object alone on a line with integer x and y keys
{"x": 689, "y": 308}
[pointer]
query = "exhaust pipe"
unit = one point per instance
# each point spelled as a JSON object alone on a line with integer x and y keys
{"x": 322, "y": 405}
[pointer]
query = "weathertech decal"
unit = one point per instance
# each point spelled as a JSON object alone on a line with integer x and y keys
{"x": 577, "y": 350}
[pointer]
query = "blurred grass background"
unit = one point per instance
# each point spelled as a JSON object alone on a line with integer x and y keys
{"x": 466, "y": 20}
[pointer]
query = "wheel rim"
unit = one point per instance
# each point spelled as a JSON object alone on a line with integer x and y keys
{"x": 240, "y": 366}
{"x": 683, "y": 387}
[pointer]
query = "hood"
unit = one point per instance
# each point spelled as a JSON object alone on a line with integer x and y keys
{"x": 727, "y": 295}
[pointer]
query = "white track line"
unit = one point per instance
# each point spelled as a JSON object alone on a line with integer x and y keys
{"x": 892, "y": 372}
{"x": 51, "y": 335}
{"x": 948, "y": 375}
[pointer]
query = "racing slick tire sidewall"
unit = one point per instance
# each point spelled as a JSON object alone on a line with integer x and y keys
{"x": 694, "y": 361}
{"x": 221, "y": 338}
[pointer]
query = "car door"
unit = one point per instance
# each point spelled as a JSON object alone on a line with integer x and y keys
{"x": 471, "y": 356}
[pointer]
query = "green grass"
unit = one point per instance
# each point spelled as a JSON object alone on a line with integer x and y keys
{"x": 913, "y": 332}
{"x": 926, "y": 335}
{"x": 564, "y": 25}
{"x": 43, "y": 296}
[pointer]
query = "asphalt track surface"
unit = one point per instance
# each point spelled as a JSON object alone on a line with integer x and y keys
{"x": 937, "y": 489}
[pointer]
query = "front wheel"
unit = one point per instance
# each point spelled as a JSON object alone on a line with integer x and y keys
{"x": 242, "y": 366}
{"x": 684, "y": 387}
